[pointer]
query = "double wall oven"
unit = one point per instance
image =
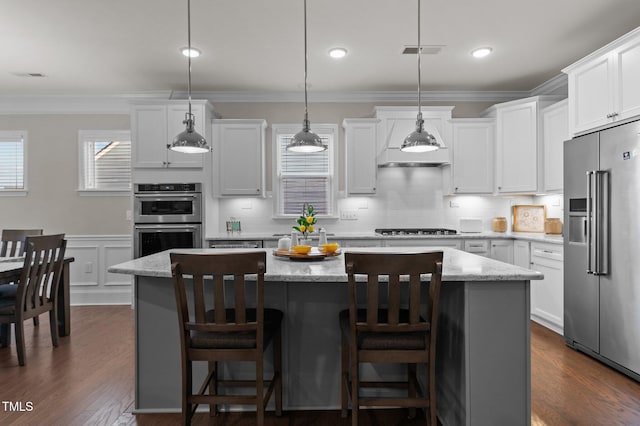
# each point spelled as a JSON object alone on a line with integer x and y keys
{"x": 167, "y": 215}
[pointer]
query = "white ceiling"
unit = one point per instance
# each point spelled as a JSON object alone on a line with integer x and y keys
{"x": 131, "y": 46}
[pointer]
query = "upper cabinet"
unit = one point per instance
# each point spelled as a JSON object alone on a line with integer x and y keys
{"x": 555, "y": 127}
{"x": 239, "y": 157}
{"x": 398, "y": 122}
{"x": 518, "y": 145}
{"x": 472, "y": 146}
{"x": 604, "y": 87}
{"x": 360, "y": 161}
{"x": 154, "y": 124}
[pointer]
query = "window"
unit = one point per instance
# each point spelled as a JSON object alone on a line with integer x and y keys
{"x": 304, "y": 178}
{"x": 12, "y": 161}
{"x": 105, "y": 160}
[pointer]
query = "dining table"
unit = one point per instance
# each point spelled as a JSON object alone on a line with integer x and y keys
{"x": 10, "y": 270}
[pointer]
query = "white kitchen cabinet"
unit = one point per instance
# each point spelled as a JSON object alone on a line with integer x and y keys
{"x": 472, "y": 164}
{"x": 424, "y": 242}
{"x": 555, "y": 127}
{"x": 547, "y": 295}
{"x": 346, "y": 242}
{"x": 475, "y": 246}
{"x": 519, "y": 145}
{"x": 239, "y": 157}
{"x": 360, "y": 163}
{"x": 522, "y": 254}
{"x": 502, "y": 250}
{"x": 154, "y": 126}
{"x": 604, "y": 86}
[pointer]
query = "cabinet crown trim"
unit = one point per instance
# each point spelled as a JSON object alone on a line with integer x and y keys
{"x": 631, "y": 35}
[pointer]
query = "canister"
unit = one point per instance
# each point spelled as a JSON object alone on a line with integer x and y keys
{"x": 499, "y": 224}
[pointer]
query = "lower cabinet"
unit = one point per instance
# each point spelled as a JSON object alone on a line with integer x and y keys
{"x": 502, "y": 250}
{"x": 547, "y": 295}
{"x": 426, "y": 242}
{"x": 522, "y": 254}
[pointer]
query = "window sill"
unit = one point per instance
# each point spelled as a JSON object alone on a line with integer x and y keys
{"x": 103, "y": 193}
{"x": 13, "y": 193}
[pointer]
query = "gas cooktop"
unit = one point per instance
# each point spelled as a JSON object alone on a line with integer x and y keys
{"x": 415, "y": 231}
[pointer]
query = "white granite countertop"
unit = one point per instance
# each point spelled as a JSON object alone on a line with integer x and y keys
{"x": 458, "y": 266}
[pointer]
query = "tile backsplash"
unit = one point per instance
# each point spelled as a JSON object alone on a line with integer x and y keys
{"x": 406, "y": 197}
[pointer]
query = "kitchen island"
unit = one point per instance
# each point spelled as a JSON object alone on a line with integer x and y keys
{"x": 483, "y": 366}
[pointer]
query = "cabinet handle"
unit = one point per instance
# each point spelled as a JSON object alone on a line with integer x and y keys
{"x": 456, "y": 188}
{"x": 547, "y": 251}
{"x": 615, "y": 114}
{"x": 257, "y": 190}
{"x": 499, "y": 187}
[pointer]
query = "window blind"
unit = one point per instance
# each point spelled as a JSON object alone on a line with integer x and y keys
{"x": 304, "y": 178}
{"x": 106, "y": 165}
{"x": 11, "y": 163}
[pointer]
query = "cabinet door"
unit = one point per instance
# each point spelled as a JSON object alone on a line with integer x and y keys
{"x": 590, "y": 88}
{"x": 149, "y": 136}
{"x": 175, "y": 126}
{"x": 502, "y": 250}
{"x": 517, "y": 148}
{"x": 472, "y": 162}
{"x": 240, "y": 157}
{"x": 361, "y": 167}
{"x": 555, "y": 123}
{"x": 547, "y": 296}
{"x": 479, "y": 247}
{"x": 521, "y": 254}
{"x": 627, "y": 93}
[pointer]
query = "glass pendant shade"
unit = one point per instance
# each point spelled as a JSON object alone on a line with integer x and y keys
{"x": 190, "y": 141}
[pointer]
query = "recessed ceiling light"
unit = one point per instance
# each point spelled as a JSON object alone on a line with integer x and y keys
{"x": 338, "y": 52}
{"x": 481, "y": 52}
{"x": 194, "y": 53}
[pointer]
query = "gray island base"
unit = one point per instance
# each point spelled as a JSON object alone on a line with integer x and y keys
{"x": 483, "y": 365}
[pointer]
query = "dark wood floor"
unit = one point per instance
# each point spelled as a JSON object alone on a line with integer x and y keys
{"x": 88, "y": 380}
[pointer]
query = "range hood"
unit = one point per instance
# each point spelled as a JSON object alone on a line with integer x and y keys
{"x": 397, "y": 122}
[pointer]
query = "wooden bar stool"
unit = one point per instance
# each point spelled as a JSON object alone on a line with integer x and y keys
{"x": 230, "y": 331}
{"x": 390, "y": 334}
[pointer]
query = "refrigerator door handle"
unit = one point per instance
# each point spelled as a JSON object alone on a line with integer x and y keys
{"x": 601, "y": 220}
{"x": 590, "y": 173}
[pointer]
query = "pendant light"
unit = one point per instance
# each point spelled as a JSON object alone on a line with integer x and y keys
{"x": 189, "y": 141}
{"x": 305, "y": 140}
{"x": 420, "y": 140}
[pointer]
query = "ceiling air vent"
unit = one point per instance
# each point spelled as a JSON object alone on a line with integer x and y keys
{"x": 28, "y": 74}
{"x": 426, "y": 50}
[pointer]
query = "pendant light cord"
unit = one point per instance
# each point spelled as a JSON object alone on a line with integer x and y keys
{"x": 419, "y": 50}
{"x": 306, "y": 113}
{"x": 189, "y": 52}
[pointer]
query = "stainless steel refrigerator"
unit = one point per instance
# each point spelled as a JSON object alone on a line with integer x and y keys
{"x": 602, "y": 246}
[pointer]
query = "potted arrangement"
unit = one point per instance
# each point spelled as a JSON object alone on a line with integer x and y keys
{"x": 305, "y": 224}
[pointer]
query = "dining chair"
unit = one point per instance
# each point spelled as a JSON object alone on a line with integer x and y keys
{"x": 36, "y": 290}
{"x": 402, "y": 329}
{"x": 12, "y": 241}
{"x": 223, "y": 328}
{"x": 12, "y": 245}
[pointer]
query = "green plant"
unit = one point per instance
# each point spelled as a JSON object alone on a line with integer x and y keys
{"x": 306, "y": 221}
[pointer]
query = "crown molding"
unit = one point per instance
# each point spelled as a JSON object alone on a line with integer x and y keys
{"x": 356, "y": 97}
{"x": 120, "y": 103}
{"x": 558, "y": 85}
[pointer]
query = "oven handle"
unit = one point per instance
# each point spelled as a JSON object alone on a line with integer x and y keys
{"x": 166, "y": 228}
{"x": 164, "y": 197}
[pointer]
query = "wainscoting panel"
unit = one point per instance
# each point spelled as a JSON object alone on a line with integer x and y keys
{"x": 91, "y": 284}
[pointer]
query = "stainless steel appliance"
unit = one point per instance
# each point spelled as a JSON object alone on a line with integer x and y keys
{"x": 415, "y": 231}
{"x": 602, "y": 246}
{"x": 167, "y": 216}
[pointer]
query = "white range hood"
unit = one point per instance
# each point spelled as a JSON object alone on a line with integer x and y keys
{"x": 397, "y": 122}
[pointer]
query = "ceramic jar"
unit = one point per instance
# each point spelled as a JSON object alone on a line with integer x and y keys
{"x": 499, "y": 224}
